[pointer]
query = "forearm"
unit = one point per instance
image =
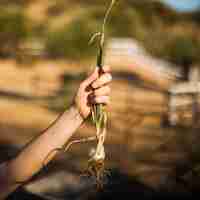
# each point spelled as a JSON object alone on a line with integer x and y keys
{"x": 32, "y": 157}
{"x": 93, "y": 90}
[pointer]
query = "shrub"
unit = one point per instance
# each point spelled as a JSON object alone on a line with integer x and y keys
{"x": 71, "y": 41}
{"x": 12, "y": 30}
{"x": 183, "y": 50}
{"x": 123, "y": 22}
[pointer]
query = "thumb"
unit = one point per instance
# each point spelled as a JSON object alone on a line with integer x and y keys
{"x": 94, "y": 76}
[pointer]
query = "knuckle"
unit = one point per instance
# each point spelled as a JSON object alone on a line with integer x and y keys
{"x": 106, "y": 68}
{"x": 109, "y": 77}
{"x": 108, "y": 90}
{"x": 95, "y": 84}
{"x": 96, "y": 92}
{"x": 82, "y": 85}
{"x": 105, "y": 90}
{"x": 102, "y": 91}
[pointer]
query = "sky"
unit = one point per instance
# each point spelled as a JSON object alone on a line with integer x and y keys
{"x": 184, "y": 5}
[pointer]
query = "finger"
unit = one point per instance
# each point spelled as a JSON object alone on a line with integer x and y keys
{"x": 104, "y": 79}
{"x": 103, "y": 91}
{"x": 102, "y": 100}
{"x": 94, "y": 76}
{"x": 106, "y": 69}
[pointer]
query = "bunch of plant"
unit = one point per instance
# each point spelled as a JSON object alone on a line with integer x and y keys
{"x": 99, "y": 114}
{"x": 96, "y": 163}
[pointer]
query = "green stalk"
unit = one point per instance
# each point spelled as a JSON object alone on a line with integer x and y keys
{"x": 98, "y": 109}
{"x": 99, "y": 115}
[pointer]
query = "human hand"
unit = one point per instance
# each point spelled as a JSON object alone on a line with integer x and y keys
{"x": 94, "y": 90}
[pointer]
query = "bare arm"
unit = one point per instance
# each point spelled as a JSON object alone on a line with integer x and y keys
{"x": 32, "y": 157}
{"x": 30, "y": 161}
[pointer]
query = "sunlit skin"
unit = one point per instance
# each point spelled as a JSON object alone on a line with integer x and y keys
{"x": 94, "y": 90}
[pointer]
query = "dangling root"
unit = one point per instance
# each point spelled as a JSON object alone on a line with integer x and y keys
{"x": 99, "y": 116}
{"x": 84, "y": 140}
{"x": 66, "y": 148}
{"x": 96, "y": 169}
{"x": 96, "y": 166}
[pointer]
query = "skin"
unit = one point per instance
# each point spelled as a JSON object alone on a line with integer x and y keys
{"x": 13, "y": 173}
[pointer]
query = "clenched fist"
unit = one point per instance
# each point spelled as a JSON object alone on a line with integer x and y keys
{"x": 94, "y": 90}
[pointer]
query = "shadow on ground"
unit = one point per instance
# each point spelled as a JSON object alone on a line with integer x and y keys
{"x": 119, "y": 186}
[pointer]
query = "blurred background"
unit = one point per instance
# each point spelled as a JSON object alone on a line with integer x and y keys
{"x": 153, "y": 48}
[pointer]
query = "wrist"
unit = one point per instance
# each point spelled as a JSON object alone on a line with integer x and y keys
{"x": 77, "y": 113}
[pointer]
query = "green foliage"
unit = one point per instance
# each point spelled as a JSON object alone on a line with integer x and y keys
{"x": 183, "y": 50}
{"x": 71, "y": 41}
{"x": 125, "y": 22}
{"x": 12, "y": 30}
{"x": 14, "y": 2}
{"x": 196, "y": 16}
{"x": 147, "y": 21}
{"x": 57, "y": 7}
